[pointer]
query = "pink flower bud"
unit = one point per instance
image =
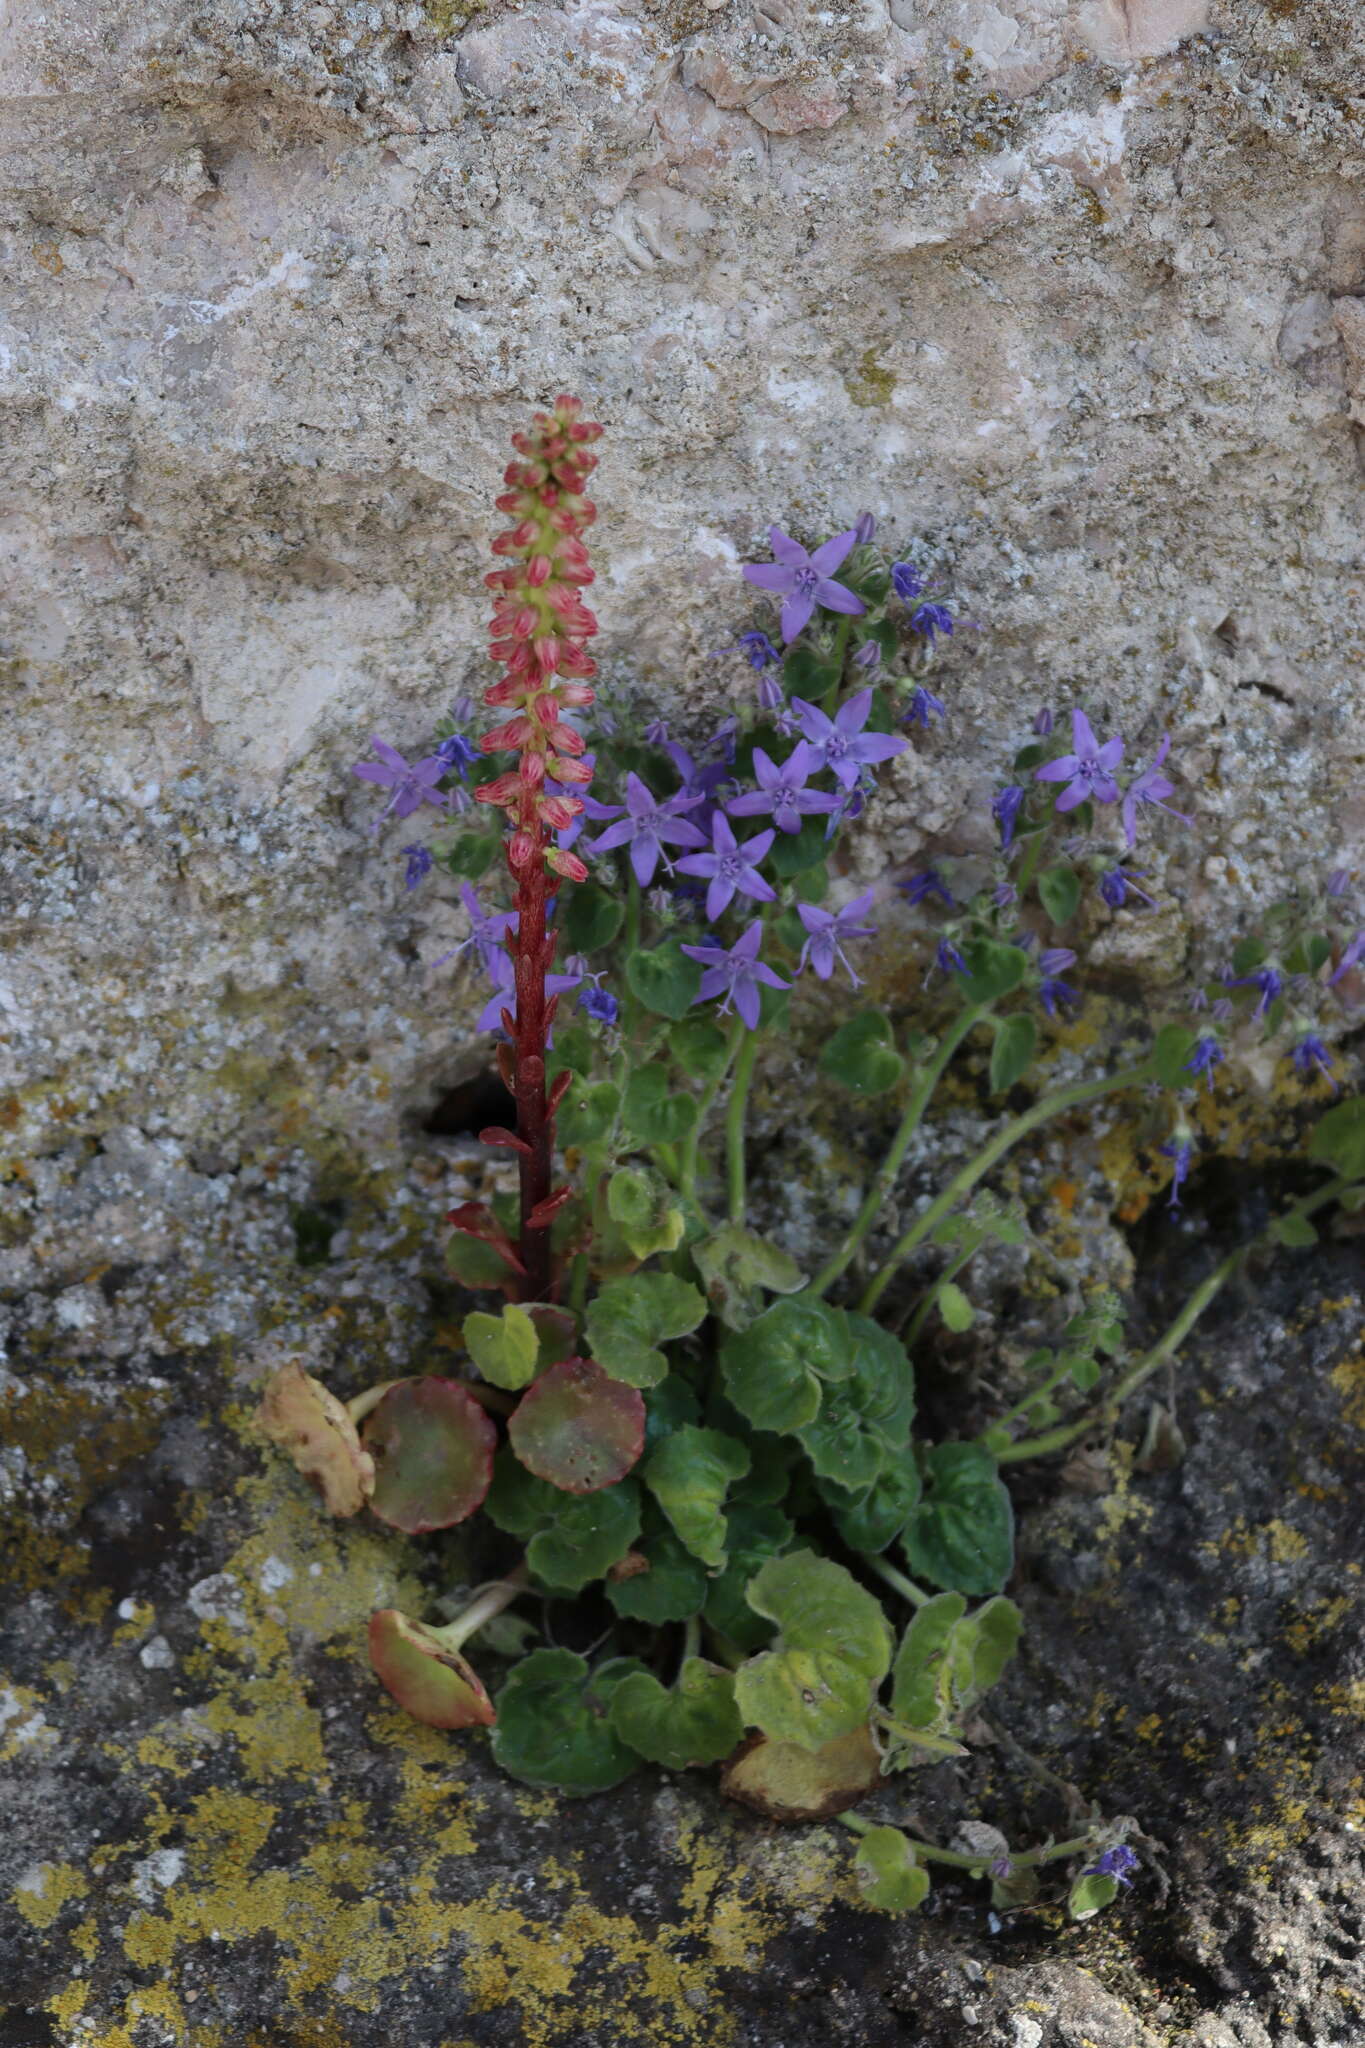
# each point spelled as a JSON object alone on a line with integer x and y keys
{"x": 566, "y": 864}
{"x": 521, "y": 849}
{"x": 538, "y": 570}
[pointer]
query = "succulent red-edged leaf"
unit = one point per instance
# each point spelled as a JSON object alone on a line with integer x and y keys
{"x": 297, "y": 1412}
{"x": 433, "y": 1683}
{"x": 577, "y": 1428}
{"x": 432, "y": 1446}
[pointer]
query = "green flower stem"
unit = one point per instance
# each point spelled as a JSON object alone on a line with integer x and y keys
{"x": 692, "y": 1637}
{"x": 885, "y": 1178}
{"x": 1067, "y": 1432}
{"x": 919, "y": 1738}
{"x": 839, "y": 651}
{"x": 926, "y": 1307}
{"x": 1039, "y": 1393}
{"x": 362, "y": 1404}
{"x": 687, "y": 1164}
{"x": 926, "y": 1852}
{"x": 734, "y": 1123}
{"x": 630, "y": 1008}
{"x": 993, "y": 1150}
{"x": 907, "y": 1588}
{"x": 483, "y": 1607}
{"x": 1033, "y": 853}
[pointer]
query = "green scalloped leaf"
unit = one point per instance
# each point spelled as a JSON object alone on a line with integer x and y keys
{"x": 696, "y": 1723}
{"x": 554, "y": 1723}
{"x": 872, "y": 1522}
{"x": 1090, "y": 1895}
{"x": 588, "y": 1112}
{"x": 961, "y": 1535}
{"x": 629, "y": 1318}
{"x": 887, "y": 1874}
{"x": 505, "y": 1348}
{"x": 755, "y": 1533}
{"x": 641, "y": 1205}
{"x": 949, "y": 1659}
{"x": 664, "y": 979}
{"x": 1339, "y": 1137}
{"x": 689, "y": 1474}
{"x": 672, "y": 1588}
{"x": 834, "y": 1649}
{"x": 651, "y": 1112}
{"x": 735, "y": 1264}
{"x": 1172, "y": 1048}
{"x": 700, "y": 1049}
{"x": 571, "y": 1539}
{"x": 1016, "y": 1041}
{"x": 578, "y": 1428}
{"x": 862, "y": 1054}
{"x": 773, "y": 1370}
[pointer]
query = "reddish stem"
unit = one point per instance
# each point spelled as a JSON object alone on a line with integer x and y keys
{"x": 535, "y": 1125}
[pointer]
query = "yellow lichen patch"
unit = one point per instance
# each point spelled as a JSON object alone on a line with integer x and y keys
{"x": 1349, "y": 1380}
{"x": 1285, "y": 1544}
{"x": 42, "y": 1891}
{"x": 81, "y": 1443}
{"x": 1316, "y": 1621}
{"x": 25, "y": 1730}
{"x": 142, "y": 1618}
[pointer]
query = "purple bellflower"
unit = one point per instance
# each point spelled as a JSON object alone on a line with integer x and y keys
{"x": 1208, "y": 1054}
{"x": 730, "y": 867}
{"x": 757, "y": 649}
{"x": 1005, "y": 808}
{"x": 928, "y": 883}
{"x": 413, "y": 783}
{"x": 923, "y": 707}
{"x": 782, "y": 791}
{"x": 1115, "y": 1863}
{"x": 458, "y": 753}
{"x": 1268, "y": 980}
{"x": 419, "y": 863}
{"x": 1179, "y": 1150}
{"x": 1352, "y": 955}
{"x": 486, "y": 932}
{"x": 1310, "y": 1056}
{"x": 1118, "y": 882}
{"x": 648, "y": 823}
{"x": 907, "y": 582}
{"x": 868, "y": 657}
{"x": 1150, "y": 787}
{"x": 1052, "y": 990}
{"x": 932, "y": 619}
{"x": 1088, "y": 771}
{"x": 864, "y": 528}
{"x": 600, "y": 1005}
{"x": 802, "y": 580}
{"x": 1042, "y": 724}
{"x": 736, "y": 973}
{"x": 826, "y": 931}
{"x": 770, "y": 695}
{"x": 949, "y": 959}
{"x": 840, "y": 742}
{"x": 656, "y": 733}
{"x": 1338, "y": 882}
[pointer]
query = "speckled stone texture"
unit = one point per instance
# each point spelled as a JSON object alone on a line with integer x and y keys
{"x": 1071, "y": 295}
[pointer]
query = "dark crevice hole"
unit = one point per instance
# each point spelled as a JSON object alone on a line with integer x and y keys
{"x": 470, "y": 1106}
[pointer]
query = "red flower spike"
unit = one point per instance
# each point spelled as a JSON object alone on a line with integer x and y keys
{"x": 577, "y": 1428}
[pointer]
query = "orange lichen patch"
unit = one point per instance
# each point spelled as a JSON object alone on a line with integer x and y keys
{"x": 1064, "y": 1193}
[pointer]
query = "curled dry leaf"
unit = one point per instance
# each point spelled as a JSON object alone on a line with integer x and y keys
{"x": 297, "y": 1413}
{"x": 433, "y": 1683}
{"x": 786, "y": 1782}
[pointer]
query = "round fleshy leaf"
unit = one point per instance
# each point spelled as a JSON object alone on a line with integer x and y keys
{"x": 297, "y": 1412}
{"x": 787, "y": 1782}
{"x": 887, "y": 1873}
{"x": 433, "y": 1447}
{"x": 577, "y": 1428}
{"x": 432, "y": 1683}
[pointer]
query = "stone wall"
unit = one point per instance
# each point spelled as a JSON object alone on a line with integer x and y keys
{"x": 1072, "y": 296}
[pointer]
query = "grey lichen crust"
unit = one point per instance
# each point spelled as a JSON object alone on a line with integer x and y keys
{"x": 1071, "y": 296}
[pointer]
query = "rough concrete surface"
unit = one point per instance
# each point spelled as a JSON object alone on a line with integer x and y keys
{"x": 1071, "y": 294}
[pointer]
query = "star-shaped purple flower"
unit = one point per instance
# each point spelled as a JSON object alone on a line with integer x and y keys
{"x": 1310, "y": 1056}
{"x": 1352, "y": 954}
{"x": 486, "y": 932}
{"x": 923, "y": 707}
{"x": 1150, "y": 787}
{"x": 826, "y": 931}
{"x": 840, "y": 742}
{"x": 730, "y": 867}
{"x": 1119, "y": 882}
{"x": 802, "y": 581}
{"x": 1267, "y": 981}
{"x": 782, "y": 791}
{"x": 920, "y": 888}
{"x": 1052, "y": 990}
{"x": 1208, "y": 1053}
{"x": 413, "y": 783}
{"x": 736, "y": 974}
{"x": 1088, "y": 773}
{"x": 649, "y": 821}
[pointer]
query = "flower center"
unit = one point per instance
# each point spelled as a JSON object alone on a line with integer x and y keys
{"x": 731, "y": 867}
{"x": 804, "y": 582}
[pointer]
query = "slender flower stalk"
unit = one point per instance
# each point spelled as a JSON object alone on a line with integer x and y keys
{"x": 540, "y": 630}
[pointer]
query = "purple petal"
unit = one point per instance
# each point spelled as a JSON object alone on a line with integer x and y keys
{"x": 679, "y": 833}
{"x": 389, "y": 755}
{"x": 796, "y": 613}
{"x": 714, "y": 954}
{"x": 761, "y": 972}
{"x": 1110, "y": 754}
{"x": 752, "y": 884}
{"x": 768, "y": 575}
{"x": 859, "y": 907}
{"x": 1069, "y": 798}
{"x": 786, "y": 549}
{"x": 614, "y": 836}
{"x": 756, "y": 849}
{"x": 1060, "y": 770}
{"x": 699, "y": 864}
{"x": 835, "y": 598}
{"x": 828, "y": 558}
{"x": 747, "y": 944}
{"x": 1105, "y": 790}
{"x": 1082, "y": 737}
{"x": 718, "y": 897}
{"x": 877, "y": 746}
{"x": 714, "y": 982}
{"x": 854, "y": 715}
{"x": 644, "y": 857}
{"x": 749, "y": 806}
{"x": 816, "y": 724}
{"x": 639, "y": 797}
{"x": 371, "y": 771}
{"x": 747, "y": 1001}
{"x": 813, "y": 917}
{"x": 722, "y": 835}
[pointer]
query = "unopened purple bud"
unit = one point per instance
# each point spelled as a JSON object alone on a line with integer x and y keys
{"x": 1005, "y": 808}
{"x": 1224, "y": 1009}
{"x": 1338, "y": 882}
{"x": 419, "y": 863}
{"x": 1002, "y": 1867}
{"x": 656, "y": 733}
{"x": 1198, "y": 1000}
{"x": 770, "y": 696}
{"x": 949, "y": 959}
{"x": 1042, "y": 724}
{"x": 464, "y": 710}
{"x": 864, "y": 529}
{"x": 1056, "y": 959}
{"x": 1004, "y": 894}
{"x": 868, "y": 655}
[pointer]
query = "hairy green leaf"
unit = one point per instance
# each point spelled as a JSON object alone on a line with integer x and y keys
{"x": 504, "y": 1348}
{"x": 674, "y": 1586}
{"x": 629, "y": 1318}
{"x": 665, "y": 980}
{"x": 1016, "y": 1041}
{"x": 592, "y": 918}
{"x": 689, "y": 1474}
{"x": 862, "y": 1054}
{"x": 1059, "y": 891}
{"x": 735, "y": 1264}
{"x": 962, "y": 1533}
{"x": 949, "y": 1659}
{"x": 833, "y": 1650}
{"x": 651, "y": 1113}
{"x": 554, "y": 1722}
{"x": 571, "y": 1539}
{"x": 696, "y": 1723}
{"x": 887, "y": 1874}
